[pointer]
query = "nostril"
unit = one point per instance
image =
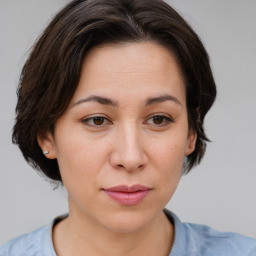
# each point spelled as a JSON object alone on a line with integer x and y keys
{"x": 120, "y": 166}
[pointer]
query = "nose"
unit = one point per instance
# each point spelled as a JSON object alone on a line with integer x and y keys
{"x": 129, "y": 152}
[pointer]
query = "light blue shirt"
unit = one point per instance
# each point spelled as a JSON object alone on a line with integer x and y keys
{"x": 190, "y": 240}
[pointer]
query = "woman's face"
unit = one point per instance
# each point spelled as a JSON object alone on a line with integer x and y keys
{"x": 121, "y": 143}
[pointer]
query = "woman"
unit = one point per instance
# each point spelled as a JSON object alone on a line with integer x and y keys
{"x": 111, "y": 103}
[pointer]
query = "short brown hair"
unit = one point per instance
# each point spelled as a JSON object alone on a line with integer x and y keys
{"x": 50, "y": 75}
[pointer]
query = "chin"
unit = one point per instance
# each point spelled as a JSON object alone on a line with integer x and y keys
{"x": 129, "y": 221}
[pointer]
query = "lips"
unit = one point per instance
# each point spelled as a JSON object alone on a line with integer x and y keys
{"x": 128, "y": 195}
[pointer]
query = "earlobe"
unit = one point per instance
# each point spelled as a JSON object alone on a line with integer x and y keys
{"x": 46, "y": 143}
{"x": 191, "y": 142}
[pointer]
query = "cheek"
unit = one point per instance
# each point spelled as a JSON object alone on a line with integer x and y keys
{"x": 81, "y": 162}
{"x": 168, "y": 164}
{"x": 167, "y": 159}
{"x": 168, "y": 152}
{"x": 76, "y": 146}
{"x": 79, "y": 158}
{"x": 79, "y": 168}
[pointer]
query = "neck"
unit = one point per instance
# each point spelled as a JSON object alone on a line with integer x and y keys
{"x": 74, "y": 236}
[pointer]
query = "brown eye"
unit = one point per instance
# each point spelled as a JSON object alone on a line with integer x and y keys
{"x": 98, "y": 120}
{"x": 158, "y": 119}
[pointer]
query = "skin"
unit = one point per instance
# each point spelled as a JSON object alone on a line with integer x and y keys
{"x": 135, "y": 140}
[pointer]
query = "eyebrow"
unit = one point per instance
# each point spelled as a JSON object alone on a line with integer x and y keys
{"x": 99, "y": 99}
{"x": 161, "y": 99}
{"x": 107, "y": 101}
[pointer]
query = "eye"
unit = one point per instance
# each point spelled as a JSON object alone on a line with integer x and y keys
{"x": 159, "y": 120}
{"x": 96, "y": 121}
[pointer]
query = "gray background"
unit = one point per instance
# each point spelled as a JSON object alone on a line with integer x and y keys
{"x": 220, "y": 192}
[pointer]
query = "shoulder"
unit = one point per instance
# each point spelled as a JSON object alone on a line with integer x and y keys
{"x": 36, "y": 243}
{"x": 221, "y": 243}
{"x": 200, "y": 240}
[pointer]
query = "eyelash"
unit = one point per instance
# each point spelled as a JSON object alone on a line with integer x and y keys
{"x": 165, "y": 120}
{"x": 93, "y": 119}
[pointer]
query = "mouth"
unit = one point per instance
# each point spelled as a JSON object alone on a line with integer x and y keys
{"x": 127, "y": 195}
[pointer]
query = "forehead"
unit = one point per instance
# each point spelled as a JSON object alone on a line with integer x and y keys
{"x": 131, "y": 57}
{"x": 130, "y": 67}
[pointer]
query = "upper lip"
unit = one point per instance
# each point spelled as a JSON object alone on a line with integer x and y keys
{"x": 127, "y": 189}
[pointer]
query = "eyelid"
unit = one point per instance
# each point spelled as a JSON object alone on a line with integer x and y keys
{"x": 168, "y": 119}
{"x": 86, "y": 120}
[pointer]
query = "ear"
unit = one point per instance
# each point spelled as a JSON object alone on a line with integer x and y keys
{"x": 191, "y": 142}
{"x": 46, "y": 143}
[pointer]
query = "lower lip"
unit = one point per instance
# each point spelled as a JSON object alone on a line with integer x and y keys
{"x": 125, "y": 198}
